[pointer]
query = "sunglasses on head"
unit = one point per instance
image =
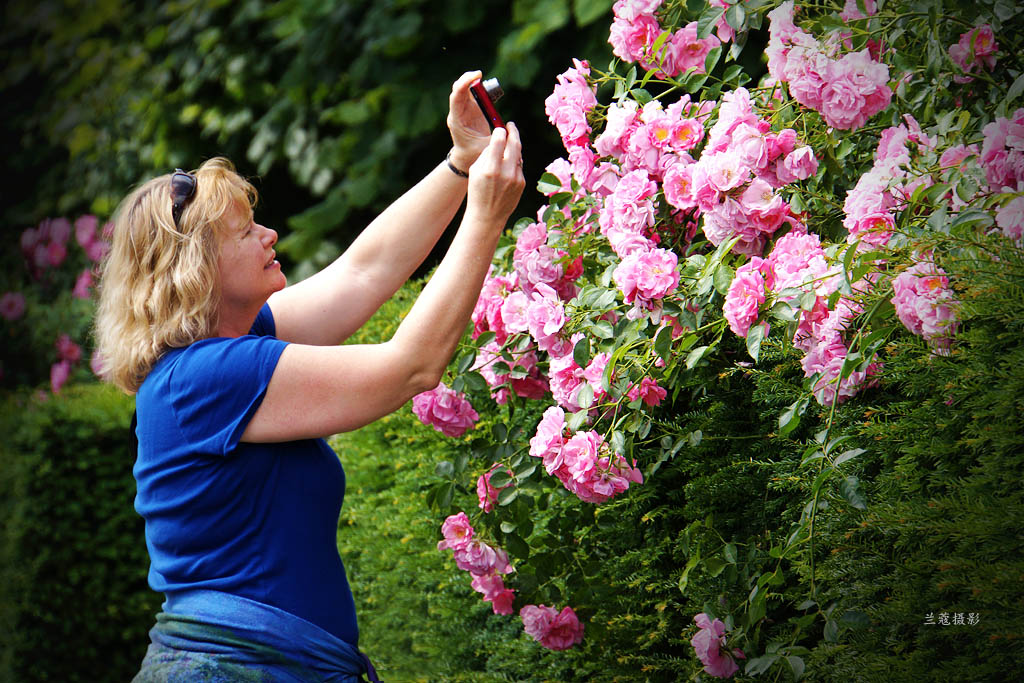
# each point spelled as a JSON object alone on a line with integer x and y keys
{"x": 183, "y": 188}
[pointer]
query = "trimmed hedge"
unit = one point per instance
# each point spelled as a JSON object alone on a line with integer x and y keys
{"x": 75, "y": 603}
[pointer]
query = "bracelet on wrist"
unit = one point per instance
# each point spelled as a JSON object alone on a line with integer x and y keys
{"x": 457, "y": 171}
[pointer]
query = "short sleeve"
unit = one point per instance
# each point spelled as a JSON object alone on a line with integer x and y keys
{"x": 216, "y": 385}
{"x": 264, "y": 326}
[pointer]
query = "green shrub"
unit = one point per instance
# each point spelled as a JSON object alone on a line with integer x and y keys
{"x": 75, "y": 603}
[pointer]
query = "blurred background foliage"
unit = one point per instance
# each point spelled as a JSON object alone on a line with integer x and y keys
{"x": 334, "y": 106}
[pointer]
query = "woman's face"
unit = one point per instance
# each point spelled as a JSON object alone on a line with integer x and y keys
{"x": 249, "y": 273}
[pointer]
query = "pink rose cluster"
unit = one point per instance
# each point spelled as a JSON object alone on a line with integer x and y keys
{"x": 1002, "y": 159}
{"x": 68, "y": 353}
{"x": 735, "y": 184}
{"x": 583, "y": 462}
{"x": 46, "y": 245}
{"x": 975, "y": 51}
{"x": 1002, "y": 153}
{"x": 925, "y": 304}
{"x": 12, "y": 305}
{"x": 553, "y": 629}
{"x": 653, "y": 137}
{"x": 486, "y": 492}
{"x": 520, "y": 376}
{"x": 645, "y": 277}
{"x": 709, "y": 644}
{"x": 445, "y": 409}
{"x": 485, "y": 564}
{"x": 846, "y": 89}
{"x": 635, "y": 29}
{"x": 870, "y": 207}
{"x": 570, "y": 102}
{"x": 797, "y": 265}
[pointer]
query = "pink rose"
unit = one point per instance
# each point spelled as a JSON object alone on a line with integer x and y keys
{"x": 708, "y": 644}
{"x": 476, "y": 557}
{"x": 82, "y": 285}
{"x": 553, "y": 629}
{"x": 746, "y": 293}
{"x": 1010, "y": 218}
{"x": 12, "y": 305}
{"x": 67, "y": 349}
{"x": 85, "y": 230}
{"x": 59, "y": 373}
{"x": 457, "y": 532}
{"x": 445, "y": 410}
{"x": 648, "y": 391}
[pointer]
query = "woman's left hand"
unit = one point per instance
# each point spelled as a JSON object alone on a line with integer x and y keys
{"x": 469, "y": 129}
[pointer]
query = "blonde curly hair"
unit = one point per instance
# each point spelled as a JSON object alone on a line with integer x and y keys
{"x": 159, "y": 286}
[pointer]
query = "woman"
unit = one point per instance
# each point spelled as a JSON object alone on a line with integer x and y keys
{"x": 238, "y": 378}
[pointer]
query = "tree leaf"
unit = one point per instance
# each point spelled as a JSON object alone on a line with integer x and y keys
{"x": 850, "y": 488}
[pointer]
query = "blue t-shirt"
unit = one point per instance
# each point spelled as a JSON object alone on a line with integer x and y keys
{"x": 257, "y": 520}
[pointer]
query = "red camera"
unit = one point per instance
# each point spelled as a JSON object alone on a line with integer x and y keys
{"x": 486, "y": 93}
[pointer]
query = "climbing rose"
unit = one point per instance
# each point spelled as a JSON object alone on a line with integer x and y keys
{"x": 445, "y": 410}
{"x": 745, "y": 295}
{"x": 553, "y": 629}
{"x": 59, "y": 373}
{"x": 924, "y": 302}
{"x": 476, "y": 557}
{"x": 975, "y": 50}
{"x": 12, "y": 305}
{"x": 457, "y": 532}
{"x": 708, "y": 643}
{"x": 488, "y": 493}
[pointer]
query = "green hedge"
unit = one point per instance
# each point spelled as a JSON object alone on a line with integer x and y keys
{"x": 75, "y": 604}
{"x": 939, "y": 531}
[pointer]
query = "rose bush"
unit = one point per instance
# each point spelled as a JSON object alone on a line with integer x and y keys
{"x": 46, "y": 305}
{"x": 810, "y": 212}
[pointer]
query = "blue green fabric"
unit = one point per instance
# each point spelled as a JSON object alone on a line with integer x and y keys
{"x": 211, "y": 637}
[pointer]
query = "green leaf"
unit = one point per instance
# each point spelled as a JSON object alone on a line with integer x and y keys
{"x": 714, "y": 565}
{"x": 549, "y": 184}
{"x": 848, "y": 455}
{"x": 755, "y": 335}
{"x": 790, "y": 417}
{"x": 723, "y": 278}
{"x": 684, "y": 578}
{"x": 589, "y": 11}
{"x": 729, "y": 551}
{"x": 855, "y": 619}
{"x": 759, "y": 665}
{"x": 850, "y": 488}
{"x": 581, "y": 352}
{"x": 663, "y": 342}
{"x": 500, "y": 478}
{"x": 445, "y": 469}
{"x": 797, "y": 666}
{"x": 706, "y": 22}
{"x": 694, "y": 356}
{"x": 500, "y": 432}
{"x": 735, "y": 15}
{"x": 711, "y": 61}
{"x": 603, "y": 329}
{"x": 506, "y": 496}
{"x": 475, "y": 381}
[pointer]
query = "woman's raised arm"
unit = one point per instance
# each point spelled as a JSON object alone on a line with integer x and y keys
{"x": 321, "y": 390}
{"x": 329, "y": 306}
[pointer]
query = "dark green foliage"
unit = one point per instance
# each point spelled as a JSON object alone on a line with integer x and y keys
{"x": 338, "y": 106}
{"x": 75, "y": 603}
{"x": 943, "y": 531}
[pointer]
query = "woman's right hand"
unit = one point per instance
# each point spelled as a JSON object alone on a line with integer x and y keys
{"x": 496, "y": 179}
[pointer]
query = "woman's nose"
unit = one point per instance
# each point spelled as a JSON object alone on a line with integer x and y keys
{"x": 269, "y": 235}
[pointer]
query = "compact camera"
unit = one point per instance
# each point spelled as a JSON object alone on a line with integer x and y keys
{"x": 486, "y": 93}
